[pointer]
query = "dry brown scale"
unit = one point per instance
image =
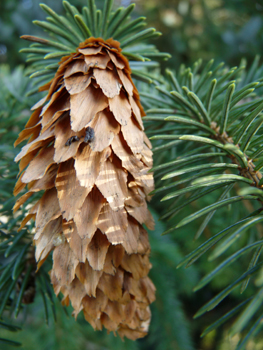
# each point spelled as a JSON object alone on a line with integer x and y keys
{"x": 94, "y": 204}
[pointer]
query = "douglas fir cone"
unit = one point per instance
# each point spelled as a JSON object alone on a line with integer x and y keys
{"x": 89, "y": 154}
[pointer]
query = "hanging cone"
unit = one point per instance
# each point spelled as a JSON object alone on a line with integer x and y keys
{"x": 88, "y": 152}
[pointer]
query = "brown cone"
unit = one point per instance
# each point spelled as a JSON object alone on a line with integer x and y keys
{"x": 96, "y": 186}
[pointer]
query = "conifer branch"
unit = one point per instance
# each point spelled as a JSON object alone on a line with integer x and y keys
{"x": 248, "y": 172}
{"x": 223, "y": 115}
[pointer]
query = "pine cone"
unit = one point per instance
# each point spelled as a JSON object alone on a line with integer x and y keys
{"x": 88, "y": 152}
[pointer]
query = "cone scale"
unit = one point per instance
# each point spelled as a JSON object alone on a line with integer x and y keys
{"x": 88, "y": 152}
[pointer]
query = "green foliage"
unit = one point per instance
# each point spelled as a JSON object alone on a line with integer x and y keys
{"x": 221, "y": 112}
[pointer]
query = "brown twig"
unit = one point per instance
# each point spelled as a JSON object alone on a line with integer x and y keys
{"x": 248, "y": 172}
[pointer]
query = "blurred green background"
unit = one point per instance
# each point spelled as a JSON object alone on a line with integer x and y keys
{"x": 192, "y": 29}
